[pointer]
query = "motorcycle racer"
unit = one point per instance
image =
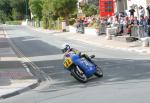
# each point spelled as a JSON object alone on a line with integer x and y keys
{"x": 66, "y": 49}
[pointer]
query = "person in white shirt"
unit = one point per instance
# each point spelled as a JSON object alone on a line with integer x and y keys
{"x": 141, "y": 11}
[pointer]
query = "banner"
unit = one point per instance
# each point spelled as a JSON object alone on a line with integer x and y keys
{"x": 106, "y": 8}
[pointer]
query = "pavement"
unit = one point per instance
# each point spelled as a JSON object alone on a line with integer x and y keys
{"x": 15, "y": 77}
{"x": 118, "y": 42}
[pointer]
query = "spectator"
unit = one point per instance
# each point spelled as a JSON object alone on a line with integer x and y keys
{"x": 132, "y": 11}
{"x": 127, "y": 25}
{"x": 131, "y": 19}
{"x": 148, "y": 9}
{"x": 121, "y": 21}
{"x": 141, "y": 11}
{"x": 85, "y": 22}
{"x": 115, "y": 21}
{"x": 148, "y": 25}
{"x": 142, "y": 28}
{"x": 110, "y": 20}
{"x": 136, "y": 21}
{"x": 142, "y": 21}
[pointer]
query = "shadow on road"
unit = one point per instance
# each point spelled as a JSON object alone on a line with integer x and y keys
{"x": 115, "y": 71}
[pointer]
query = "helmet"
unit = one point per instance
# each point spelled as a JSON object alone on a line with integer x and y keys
{"x": 65, "y": 47}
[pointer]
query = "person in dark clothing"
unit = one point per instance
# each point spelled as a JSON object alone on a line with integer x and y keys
{"x": 131, "y": 12}
{"x": 79, "y": 26}
{"x": 148, "y": 21}
{"x": 66, "y": 49}
{"x": 148, "y": 26}
{"x": 148, "y": 9}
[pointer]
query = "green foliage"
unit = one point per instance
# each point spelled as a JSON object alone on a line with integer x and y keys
{"x": 71, "y": 21}
{"x": 45, "y": 22}
{"x": 3, "y": 16}
{"x": 5, "y": 10}
{"x": 63, "y": 8}
{"x": 46, "y": 11}
{"x": 90, "y": 10}
{"x": 14, "y": 22}
{"x": 36, "y": 8}
{"x": 13, "y": 9}
{"x": 18, "y": 9}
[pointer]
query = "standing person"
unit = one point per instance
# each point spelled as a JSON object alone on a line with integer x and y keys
{"x": 127, "y": 25}
{"x": 115, "y": 23}
{"x": 132, "y": 11}
{"x": 85, "y": 22}
{"x": 121, "y": 22}
{"x": 141, "y": 11}
{"x": 147, "y": 19}
{"x": 136, "y": 21}
{"x": 109, "y": 20}
{"x": 148, "y": 10}
{"x": 142, "y": 24}
{"x": 131, "y": 19}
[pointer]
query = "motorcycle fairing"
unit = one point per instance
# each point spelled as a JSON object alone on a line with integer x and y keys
{"x": 87, "y": 67}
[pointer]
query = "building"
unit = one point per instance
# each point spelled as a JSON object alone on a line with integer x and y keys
{"x": 106, "y": 8}
{"x": 120, "y": 6}
{"x": 111, "y": 7}
{"x": 138, "y": 3}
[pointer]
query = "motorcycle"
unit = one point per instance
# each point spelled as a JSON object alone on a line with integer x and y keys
{"x": 81, "y": 69}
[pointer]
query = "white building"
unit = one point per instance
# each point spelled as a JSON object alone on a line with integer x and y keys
{"x": 142, "y": 3}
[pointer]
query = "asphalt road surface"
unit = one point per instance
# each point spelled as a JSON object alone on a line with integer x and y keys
{"x": 126, "y": 74}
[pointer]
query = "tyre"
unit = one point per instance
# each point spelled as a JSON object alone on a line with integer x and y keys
{"x": 78, "y": 74}
{"x": 99, "y": 72}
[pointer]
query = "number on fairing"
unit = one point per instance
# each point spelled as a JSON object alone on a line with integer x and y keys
{"x": 67, "y": 62}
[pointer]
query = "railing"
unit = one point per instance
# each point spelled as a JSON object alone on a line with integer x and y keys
{"x": 139, "y": 31}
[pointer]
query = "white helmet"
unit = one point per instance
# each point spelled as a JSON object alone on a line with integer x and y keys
{"x": 65, "y": 47}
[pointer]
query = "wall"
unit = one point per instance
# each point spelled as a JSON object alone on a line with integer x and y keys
{"x": 88, "y": 31}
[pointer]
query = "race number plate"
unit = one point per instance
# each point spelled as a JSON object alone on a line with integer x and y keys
{"x": 67, "y": 62}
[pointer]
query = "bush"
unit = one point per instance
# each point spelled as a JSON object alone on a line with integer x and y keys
{"x": 71, "y": 21}
{"x": 13, "y": 22}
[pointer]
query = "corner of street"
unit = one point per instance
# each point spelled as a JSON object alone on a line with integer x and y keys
{"x": 123, "y": 67}
{"x": 74, "y": 51}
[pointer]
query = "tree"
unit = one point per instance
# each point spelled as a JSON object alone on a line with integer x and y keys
{"x": 5, "y": 10}
{"x": 46, "y": 13}
{"x": 36, "y": 8}
{"x": 90, "y": 9}
{"x": 18, "y": 9}
{"x": 64, "y": 8}
{"x": 3, "y": 16}
{"x": 48, "y": 16}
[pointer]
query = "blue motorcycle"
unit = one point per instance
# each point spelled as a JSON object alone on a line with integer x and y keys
{"x": 81, "y": 69}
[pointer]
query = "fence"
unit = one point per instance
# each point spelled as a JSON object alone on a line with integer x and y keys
{"x": 101, "y": 29}
{"x": 139, "y": 31}
{"x": 53, "y": 25}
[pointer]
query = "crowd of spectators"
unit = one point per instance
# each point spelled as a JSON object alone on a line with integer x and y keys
{"x": 123, "y": 21}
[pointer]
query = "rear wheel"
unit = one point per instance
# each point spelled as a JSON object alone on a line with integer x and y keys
{"x": 78, "y": 74}
{"x": 99, "y": 72}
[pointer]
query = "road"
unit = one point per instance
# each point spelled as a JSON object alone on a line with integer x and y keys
{"x": 126, "y": 74}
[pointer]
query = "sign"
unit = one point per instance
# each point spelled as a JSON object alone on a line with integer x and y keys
{"x": 106, "y": 7}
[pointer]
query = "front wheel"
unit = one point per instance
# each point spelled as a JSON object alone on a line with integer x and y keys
{"x": 78, "y": 74}
{"x": 99, "y": 72}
